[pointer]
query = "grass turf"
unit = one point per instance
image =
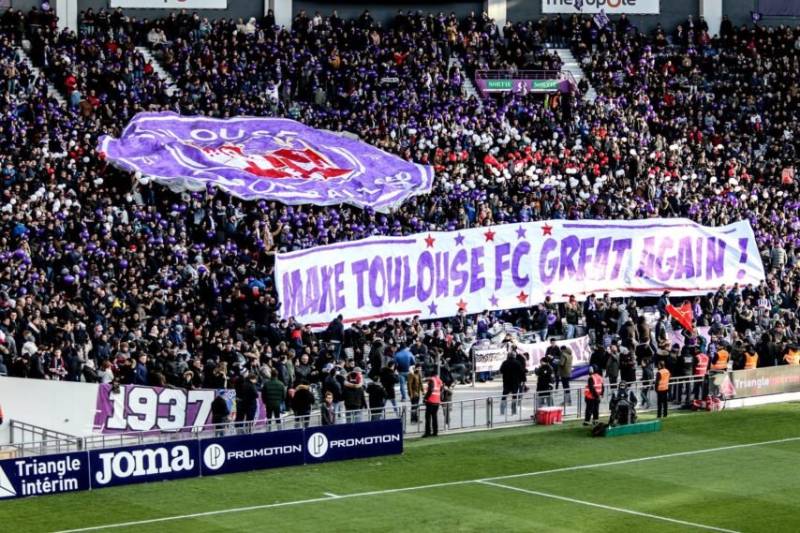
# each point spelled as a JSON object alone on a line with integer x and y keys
{"x": 746, "y": 489}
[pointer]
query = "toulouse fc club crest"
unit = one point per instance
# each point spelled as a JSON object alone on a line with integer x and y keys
{"x": 303, "y": 163}
{"x": 269, "y": 158}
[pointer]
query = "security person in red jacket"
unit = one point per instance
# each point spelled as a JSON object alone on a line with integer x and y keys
{"x": 592, "y": 394}
{"x": 433, "y": 398}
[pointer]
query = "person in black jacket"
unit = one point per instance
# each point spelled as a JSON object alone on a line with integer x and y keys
{"x": 544, "y": 380}
{"x": 353, "y": 396}
{"x": 335, "y": 335}
{"x": 512, "y": 380}
{"x": 247, "y": 399}
{"x": 377, "y": 399}
{"x": 389, "y": 379}
{"x": 302, "y": 401}
{"x": 333, "y": 384}
{"x": 219, "y": 413}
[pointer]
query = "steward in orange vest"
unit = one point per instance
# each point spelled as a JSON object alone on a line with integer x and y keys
{"x": 662, "y": 389}
{"x": 750, "y": 360}
{"x": 592, "y": 394}
{"x": 721, "y": 363}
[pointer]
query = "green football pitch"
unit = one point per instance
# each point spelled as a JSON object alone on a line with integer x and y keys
{"x": 736, "y": 470}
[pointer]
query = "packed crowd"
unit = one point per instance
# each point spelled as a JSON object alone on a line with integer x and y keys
{"x": 105, "y": 277}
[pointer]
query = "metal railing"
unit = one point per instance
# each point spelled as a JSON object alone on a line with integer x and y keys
{"x": 28, "y": 439}
{"x": 462, "y": 415}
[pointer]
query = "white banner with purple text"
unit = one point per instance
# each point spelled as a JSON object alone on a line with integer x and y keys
{"x": 436, "y": 274}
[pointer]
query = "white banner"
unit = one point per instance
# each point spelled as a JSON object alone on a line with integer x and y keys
{"x": 170, "y": 4}
{"x": 610, "y": 7}
{"x": 489, "y": 359}
{"x": 581, "y": 350}
{"x": 436, "y": 274}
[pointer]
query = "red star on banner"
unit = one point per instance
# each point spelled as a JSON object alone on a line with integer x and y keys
{"x": 522, "y": 297}
{"x": 489, "y": 235}
{"x": 462, "y": 305}
{"x": 547, "y": 230}
{"x": 429, "y": 241}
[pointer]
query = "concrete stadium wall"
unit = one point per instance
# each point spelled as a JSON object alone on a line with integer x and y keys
{"x": 57, "y": 405}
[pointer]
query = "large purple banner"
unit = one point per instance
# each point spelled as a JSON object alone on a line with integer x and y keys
{"x": 269, "y": 158}
{"x": 155, "y": 409}
{"x": 436, "y": 274}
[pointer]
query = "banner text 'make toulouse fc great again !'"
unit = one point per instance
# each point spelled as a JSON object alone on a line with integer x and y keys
{"x": 514, "y": 265}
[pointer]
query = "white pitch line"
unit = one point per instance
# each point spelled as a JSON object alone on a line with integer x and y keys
{"x": 608, "y": 507}
{"x": 423, "y": 487}
{"x": 330, "y": 495}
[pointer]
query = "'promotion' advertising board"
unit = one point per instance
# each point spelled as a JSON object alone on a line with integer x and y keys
{"x": 161, "y": 461}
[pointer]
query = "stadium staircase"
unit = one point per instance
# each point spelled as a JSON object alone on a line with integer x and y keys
{"x": 571, "y": 65}
{"x": 52, "y": 92}
{"x": 469, "y": 88}
{"x": 158, "y": 69}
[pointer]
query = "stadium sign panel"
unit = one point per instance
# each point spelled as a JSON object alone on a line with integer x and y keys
{"x": 758, "y": 381}
{"x": 139, "y": 464}
{"x": 610, "y": 7}
{"x": 521, "y": 85}
{"x": 48, "y": 474}
{"x": 351, "y": 441}
{"x": 110, "y": 467}
{"x": 264, "y": 158}
{"x": 438, "y": 274}
{"x": 258, "y": 451}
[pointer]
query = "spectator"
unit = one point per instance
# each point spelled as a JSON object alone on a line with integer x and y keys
{"x": 328, "y": 410}
{"x": 302, "y": 402}
{"x": 273, "y": 395}
{"x": 377, "y": 399}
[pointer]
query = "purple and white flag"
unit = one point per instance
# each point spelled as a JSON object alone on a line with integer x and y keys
{"x": 436, "y": 274}
{"x": 601, "y": 19}
{"x": 269, "y": 158}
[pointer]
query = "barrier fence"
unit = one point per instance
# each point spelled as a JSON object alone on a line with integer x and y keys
{"x": 477, "y": 413}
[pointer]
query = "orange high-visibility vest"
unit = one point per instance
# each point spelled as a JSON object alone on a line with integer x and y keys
{"x": 436, "y": 394}
{"x": 750, "y": 361}
{"x": 722, "y": 360}
{"x": 663, "y": 382}
{"x": 597, "y": 383}
{"x": 792, "y": 357}
{"x": 702, "y": 365}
